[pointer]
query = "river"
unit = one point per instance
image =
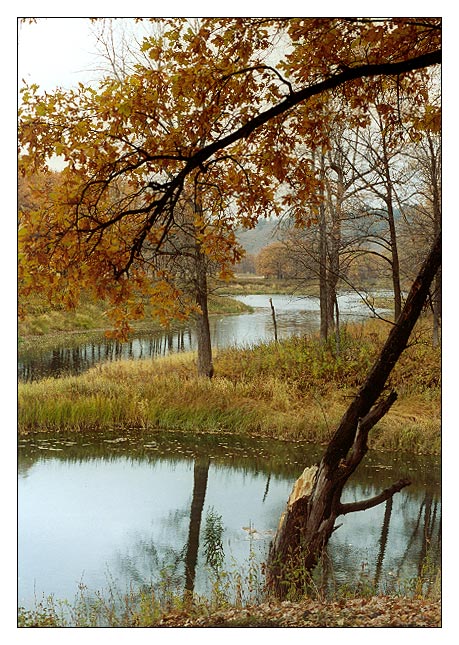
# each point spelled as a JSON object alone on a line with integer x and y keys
{"x": 98, "y": 512}
{"x": 295, "y": 315}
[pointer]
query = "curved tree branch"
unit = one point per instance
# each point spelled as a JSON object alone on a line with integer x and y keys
{"x": 365, "y": 504}
{"x": 172, "y": 193}
{"x": 293, "y": 99}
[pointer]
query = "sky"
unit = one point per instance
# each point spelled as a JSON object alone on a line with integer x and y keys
{"x": 56, "y": 51}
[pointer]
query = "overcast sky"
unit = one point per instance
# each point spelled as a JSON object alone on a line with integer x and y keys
{"x": 56, "y": 51}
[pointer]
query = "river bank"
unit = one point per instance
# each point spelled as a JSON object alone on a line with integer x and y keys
{"x": 44, "y": 324}
{"x": 295, "y": 390}
{"x": 376, "y": 611}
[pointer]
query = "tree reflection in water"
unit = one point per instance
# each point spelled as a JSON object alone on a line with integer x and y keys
{"x": 58, "y": 361}
{"x": 249, "y": 480}
{"x": 201, "y": 472}
{"x": 164, "y": 570}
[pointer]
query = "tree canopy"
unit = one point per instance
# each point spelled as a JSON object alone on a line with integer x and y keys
{"x": 220, "y": 109}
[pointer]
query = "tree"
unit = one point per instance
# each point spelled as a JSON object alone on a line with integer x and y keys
{"x": 183, "y": 260}
{"x": 273, "y": 262}
{"x": 211, "y": 106}
{"x": 186, "y": 265}
{"x": 133, "y": 146}
{"x": 423, "y": 219}
{"x": 315, "y": 502}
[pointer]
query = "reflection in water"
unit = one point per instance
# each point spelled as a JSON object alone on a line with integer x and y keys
{"x": 132, "y": 507}
{"x": 295, "y": 316}
{"x": 201, "y": 473}
{"x": 383, "y": 540}
{"x": 35, "y": 364}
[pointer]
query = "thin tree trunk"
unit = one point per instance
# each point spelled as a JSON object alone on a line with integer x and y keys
{"x": 337, "y": 327}
{"x": 323, "y": 263}
{"x": 395, "y": 262}
{"x": 334, "y": 246}
{"x": 435, "y": 174}
{"x": 205, "y": 366}
{"x": 315, "y": 502}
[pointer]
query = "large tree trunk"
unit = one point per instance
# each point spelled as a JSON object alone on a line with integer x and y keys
{"x": 315, "y": 502}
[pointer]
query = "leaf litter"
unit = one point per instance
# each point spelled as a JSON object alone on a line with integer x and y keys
{"x": 377, "y": 611}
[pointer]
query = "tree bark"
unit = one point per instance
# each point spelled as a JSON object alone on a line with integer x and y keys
{"x": 389, "y": 199}
{"x": 334, "y": 247}
{"x": 435, "y": 174}
{"x": 323, "y": 263}
{"x": 395, "y": 262}
{"x": 314, "y": 504}
{"x": 205, "y": 366}
{"x": 436, "y": 333}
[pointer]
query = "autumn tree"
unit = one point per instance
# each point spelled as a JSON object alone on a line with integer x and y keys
{"x": 187, "y": 264}
{"x": 198, "y": 108}
{"x": 246, "y": 264}
{"x": 229, "y": 100}
{"x": 273, "y": 262}
{"x": 422, "y": 220}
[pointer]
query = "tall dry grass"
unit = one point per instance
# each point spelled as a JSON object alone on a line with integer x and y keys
{"x": 297, "y": 390}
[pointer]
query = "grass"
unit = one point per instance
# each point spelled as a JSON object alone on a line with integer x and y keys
{"x": 297, "y": 389}
{"x": 160, "y": 606}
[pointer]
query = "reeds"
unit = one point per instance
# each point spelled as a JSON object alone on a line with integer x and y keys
{"x": 296, "y": 390}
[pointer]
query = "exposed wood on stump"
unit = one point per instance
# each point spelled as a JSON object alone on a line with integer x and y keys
{"x": 314, "y": 504}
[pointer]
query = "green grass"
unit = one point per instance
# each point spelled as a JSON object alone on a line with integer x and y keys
{"x": 295, "y": 390}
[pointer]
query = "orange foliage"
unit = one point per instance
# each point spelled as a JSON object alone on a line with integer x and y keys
{"x": 225, "y": 108}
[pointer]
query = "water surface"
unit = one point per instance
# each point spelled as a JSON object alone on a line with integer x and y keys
{"x": 131, "y": 511}
{"x": 295, "y": 315}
